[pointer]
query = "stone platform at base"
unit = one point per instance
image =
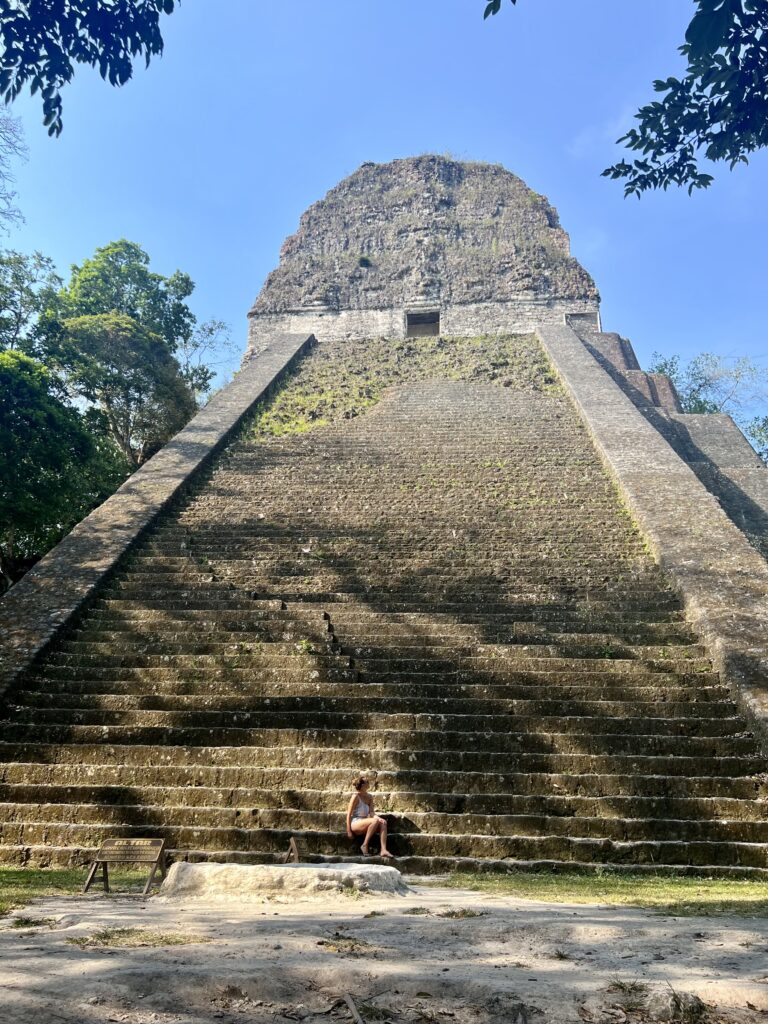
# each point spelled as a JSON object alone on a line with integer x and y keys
{"x": 253, "y": 882}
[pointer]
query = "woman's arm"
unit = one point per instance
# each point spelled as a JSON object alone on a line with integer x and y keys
{"x": 350, "y": 808}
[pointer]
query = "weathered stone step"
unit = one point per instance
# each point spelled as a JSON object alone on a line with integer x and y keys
{"x": 340, "y": 551}
{"x": 63, "y": 727}
{"x": 199, "y": 768}
{"x": 556, "y": 848}
{"x": 708, "y": 714}
{"x": 260, "y": 657}
{"x": 658, "y": 691}
{"x": 392, "y": 638}
{"x": 443, "y": 652}
{"x": 471, "y": 669}
{"x": 429, "y": 572}
{"x": 496, "y": 602}
{"x": 372, "y": 634}
{"x": 587, "y": 648}
{"x": 80, "y": 857}
{"x": 488, "y": 806}
{"x": 464, "y": 669}
{"x": 360, "y": 619}
{"x": 192, "y": 646}
{"x": 451, "y": 589}
{"x": 288, "y": 671}
{"x": 602, "y": 676}
{"x": 466, "y": 824}
{"x": 525, "y": 732}
{"x": 333, "y": 600}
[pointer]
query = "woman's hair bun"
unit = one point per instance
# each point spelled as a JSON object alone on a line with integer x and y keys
{"x": 359, "y": 782}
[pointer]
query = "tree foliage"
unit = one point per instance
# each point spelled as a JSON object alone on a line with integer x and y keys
{"x": 757, "y": 432}
{"x": 12, "y": 147}
{"x": 43, "y": 40}
{"x": 27, "y": 286}
{"x": 711, "y": 383}
{"x": 112, "y": 332}
{"x": 718, "y": 109}
{"x": 199, "y": 354}
{"x": 90, "y": 387}
{"x": 52, "y": 469}
{"x": 130, "y": 376}
{"x": 117, "y": 279}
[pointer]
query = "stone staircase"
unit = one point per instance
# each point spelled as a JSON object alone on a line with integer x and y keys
{"x": 445, "y": 593}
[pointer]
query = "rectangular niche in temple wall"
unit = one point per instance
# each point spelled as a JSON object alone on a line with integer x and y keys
{"x": 422, "y": 325}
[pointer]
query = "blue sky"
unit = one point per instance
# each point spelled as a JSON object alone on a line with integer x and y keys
{"x": 257, "y": 108}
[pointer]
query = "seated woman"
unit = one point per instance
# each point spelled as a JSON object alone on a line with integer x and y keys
{"x": 361, "y": 820}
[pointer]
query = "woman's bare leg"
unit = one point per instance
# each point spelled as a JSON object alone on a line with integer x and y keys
{"x": 383, "y": 833}
{"x": 371, "y": 831}
{"x": 365, "y": 827}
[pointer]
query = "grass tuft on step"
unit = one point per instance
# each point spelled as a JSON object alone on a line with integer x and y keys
{"x": 676, "y": 896}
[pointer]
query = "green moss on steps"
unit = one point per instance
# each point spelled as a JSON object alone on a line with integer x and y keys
{"x": 341, "y": 380}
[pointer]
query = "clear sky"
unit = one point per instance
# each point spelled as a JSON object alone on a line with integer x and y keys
{"x": 258, "y": 107}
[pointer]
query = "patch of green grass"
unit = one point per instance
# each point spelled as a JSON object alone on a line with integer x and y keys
{"x": 677, "y": 896}
{"x": 633, "y": 987}
{"x": 135, "y": 938}
{"x": 19, "y": 886}
{"x": 32, "y": 922}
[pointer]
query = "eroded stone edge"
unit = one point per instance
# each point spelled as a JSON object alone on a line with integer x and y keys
{"x": 47, "y": 598}
{"x": 721, "y": 579}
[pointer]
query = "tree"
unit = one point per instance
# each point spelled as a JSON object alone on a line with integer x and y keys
{"x": 117, "y": 279}
{"x": 130, "y": 376}
{"x": 42, "y": 40}
{"x": 199, "y": 355}
{"x": 711, "y": 383}
{"x": 757, "y": 432}
{"x": 12, "y": 146}
{"x": 52, "y": 471}
{"x": 719, "y": 108}
{"x": 27, "y": 286}
{"x": 89, "y": 386}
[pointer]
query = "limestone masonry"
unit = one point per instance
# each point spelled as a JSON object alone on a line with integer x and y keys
{"x": 441, "y": 529}
{"x": 469, "y": 241}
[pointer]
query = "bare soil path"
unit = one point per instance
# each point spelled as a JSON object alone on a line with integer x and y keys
{"x": 438, "y": 955}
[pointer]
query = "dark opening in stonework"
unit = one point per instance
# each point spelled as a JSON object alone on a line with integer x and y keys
{"x": 422, "y": 325}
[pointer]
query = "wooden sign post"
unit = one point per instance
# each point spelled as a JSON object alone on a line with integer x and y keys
{"x": 128, "y": 851}
{"x": 293, "y": 855}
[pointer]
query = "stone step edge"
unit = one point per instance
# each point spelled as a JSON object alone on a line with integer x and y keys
{"x": 416, "y": 866}
{"x": 160, "y": 809}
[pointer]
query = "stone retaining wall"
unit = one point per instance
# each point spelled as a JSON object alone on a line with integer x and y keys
{"x": 721, "y": 578}
{"x": 39, "y": 605}
{"x": 460, "y": 320}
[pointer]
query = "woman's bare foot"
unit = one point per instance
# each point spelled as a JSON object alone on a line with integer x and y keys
{"x": 387, "y": 854}
{"x": 364, "y": 851}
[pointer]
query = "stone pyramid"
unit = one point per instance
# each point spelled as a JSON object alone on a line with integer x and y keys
{"x": 440, "y": 529}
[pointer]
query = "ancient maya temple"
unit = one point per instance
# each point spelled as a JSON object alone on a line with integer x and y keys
{"x": 441, "y": 529}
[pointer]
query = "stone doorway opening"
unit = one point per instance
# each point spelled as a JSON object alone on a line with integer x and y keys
{"x": 424, "y": 324}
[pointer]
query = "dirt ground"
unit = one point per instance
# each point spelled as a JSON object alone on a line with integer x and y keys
{"x": 434, "y": 955}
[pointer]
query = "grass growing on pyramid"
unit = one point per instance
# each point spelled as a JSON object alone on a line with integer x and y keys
{"x": 341, "y": 380}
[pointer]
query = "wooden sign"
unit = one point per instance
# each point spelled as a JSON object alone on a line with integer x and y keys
{"x": 128, "y": 851}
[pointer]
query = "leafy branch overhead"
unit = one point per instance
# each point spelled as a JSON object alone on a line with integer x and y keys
{"x": 718, "y": 109}
{"x": 43, "y": 40}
